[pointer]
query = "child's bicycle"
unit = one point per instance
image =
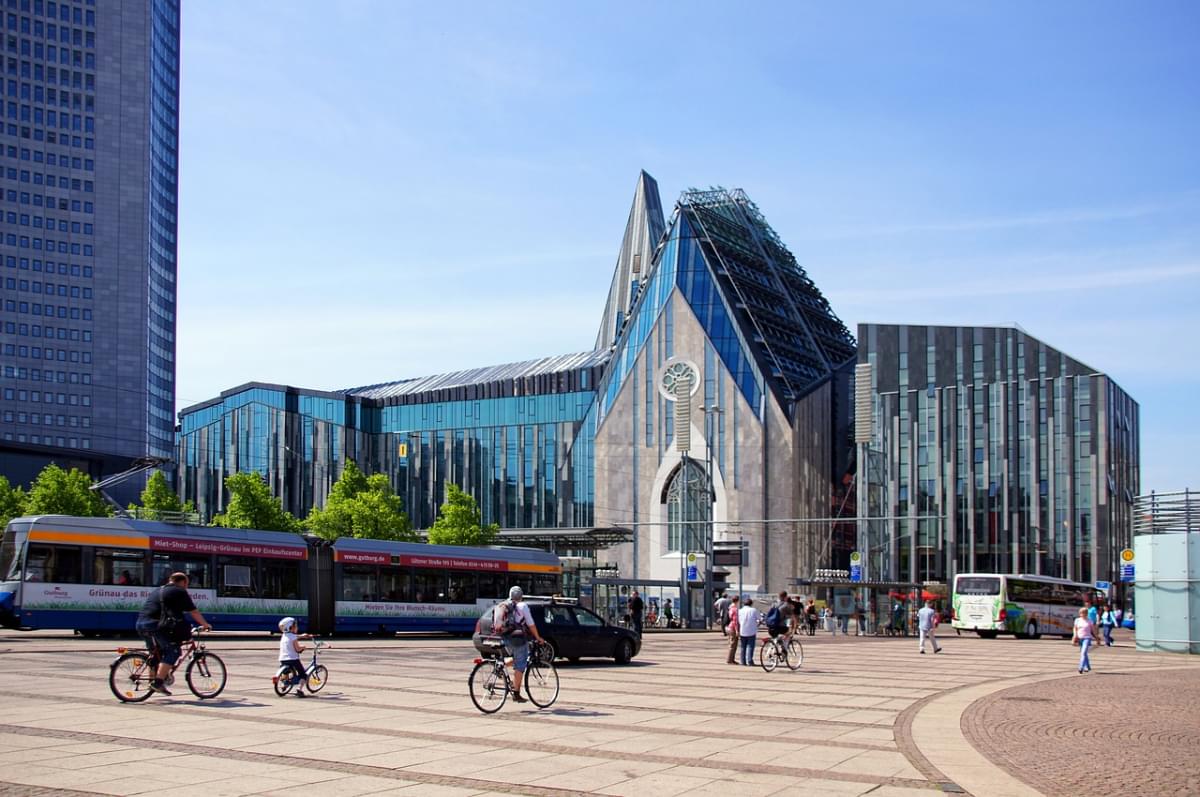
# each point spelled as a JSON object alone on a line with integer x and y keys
{"x": 491, "y": 684}
{"x": 315, "y": 675}
{"x": 129, "y": 676}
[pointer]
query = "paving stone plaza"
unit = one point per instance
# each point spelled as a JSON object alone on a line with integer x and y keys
{"x": 863, "y": 716}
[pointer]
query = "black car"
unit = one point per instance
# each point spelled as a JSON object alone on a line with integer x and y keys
{"x": 573, "y": 631}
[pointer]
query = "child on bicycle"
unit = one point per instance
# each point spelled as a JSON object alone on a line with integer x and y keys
{"x": 290, "y": 650}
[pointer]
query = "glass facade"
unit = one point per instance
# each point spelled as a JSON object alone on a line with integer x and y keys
{"x": 89, "y": 109}
{"x": 521, "y": 445}
{"x": 992, "y": 452}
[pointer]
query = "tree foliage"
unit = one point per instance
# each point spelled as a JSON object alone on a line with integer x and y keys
{"x": 361, "y": 506}
{"x": 459, "y": 522}
{"x": 12, "y": 501}
{"x": 251, "y": 506}
{"x": 61, "y": 492}
{"x": 159, "y": 497}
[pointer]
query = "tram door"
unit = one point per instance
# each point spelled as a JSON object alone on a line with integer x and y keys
{"x": 320, "y": 589}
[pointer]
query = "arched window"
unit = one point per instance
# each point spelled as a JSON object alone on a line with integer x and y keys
{"x": 689, "y": 508}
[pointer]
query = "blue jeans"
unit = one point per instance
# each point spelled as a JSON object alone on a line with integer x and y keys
{"x": 747, "y": 643}
{"x": 148, "y": 630}
{"x": 1084, "y": 644}
{"x": 1107, "y": 634}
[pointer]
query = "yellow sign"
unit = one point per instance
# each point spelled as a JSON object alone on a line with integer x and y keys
{"x": 402, "y": 450}
{"x": 855, "y": 557}
{"x": 691, "y": 559}
{"x": 1127, "y": 555}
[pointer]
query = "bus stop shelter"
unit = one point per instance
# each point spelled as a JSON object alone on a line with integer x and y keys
{"x": 885, "y": 605}
{"x": 610, "y": 599}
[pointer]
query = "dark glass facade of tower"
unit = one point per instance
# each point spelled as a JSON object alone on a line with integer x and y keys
{"x": 88, "y": 203}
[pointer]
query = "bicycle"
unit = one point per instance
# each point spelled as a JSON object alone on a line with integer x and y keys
{"x": 130, "y": 674}
{"x": 315, "y": 675}
{"x": 490, "y": 682}
{"x": 773, "y": 651}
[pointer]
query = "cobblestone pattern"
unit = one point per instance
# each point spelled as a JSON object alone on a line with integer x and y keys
{"x": 1096, "y": 734}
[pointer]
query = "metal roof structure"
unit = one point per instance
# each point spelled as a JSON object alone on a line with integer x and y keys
{"x": 578, "y": 539}
{"x": 479, "y": 376}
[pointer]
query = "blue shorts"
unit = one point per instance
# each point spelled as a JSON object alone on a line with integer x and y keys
{"x": 518, "y": 646}
{"x": 148, "y": 630}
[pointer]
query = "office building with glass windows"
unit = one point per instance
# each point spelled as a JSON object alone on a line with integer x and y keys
{"x": 89, "y": 160}
{"x": 983, "y": 449}
{"x": 716, "y": 402}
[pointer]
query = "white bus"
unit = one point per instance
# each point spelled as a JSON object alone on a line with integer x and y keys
{"x": 1027, "y": 606}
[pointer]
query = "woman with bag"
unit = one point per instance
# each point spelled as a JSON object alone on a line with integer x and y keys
{"x": 1107, "y": 622}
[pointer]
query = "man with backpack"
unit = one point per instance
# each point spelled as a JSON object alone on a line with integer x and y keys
{"x": 781, "y": 618}
{"x": 514, "y": 623}
{"x": 721, "y": 611}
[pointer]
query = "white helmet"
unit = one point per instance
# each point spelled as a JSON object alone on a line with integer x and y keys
{"x": 286, "y": 623}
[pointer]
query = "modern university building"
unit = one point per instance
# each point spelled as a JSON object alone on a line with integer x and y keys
{"x": 719, "y": 400}
{"x": 89, "y": 160}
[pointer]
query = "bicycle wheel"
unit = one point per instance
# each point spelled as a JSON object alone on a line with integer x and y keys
{"x": 795, "y": 654}
{"x": 206, "y": 675}
{"x": 317, "y": 678}
{"x": 489, "y": 687}
{"x": 283, "y": 681}
{"x": 541, "y": 684}
{"x": 768, "y": 655}
{"x": 129, "y": 678}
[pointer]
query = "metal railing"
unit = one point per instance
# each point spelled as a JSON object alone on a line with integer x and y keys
{"x": 1167, "y": 513}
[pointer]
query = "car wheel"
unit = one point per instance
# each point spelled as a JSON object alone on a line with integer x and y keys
{"x": 624, "y": 652}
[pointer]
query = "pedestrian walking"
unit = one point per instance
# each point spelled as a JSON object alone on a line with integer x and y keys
{"x": 748, "y": 620}
{"x": 860, "y": 620}
{"x": 1119, "y": 615}
{"x": 721, "y": 612}
{"x": 810, "y": 617}
{"x": 731, "y": 628}
{"x": 828, "y": 620}
{"x": 636, "y": 607}
{"x": 1084, "y": 636}
{"x": 1107, "y": 621}
{"x": 926, "y": 623}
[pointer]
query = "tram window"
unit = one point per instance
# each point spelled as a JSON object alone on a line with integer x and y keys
{"x": 429, "y": 586}
{"x": 10, "y": 554}
{"x": 395, "y": 585}
{"x": 280, "y": 579}
{"x": 545, "y": 585}
{"x": 462, "y": 587}
{"x": 197, "y": 570}
{"x": 359, "y": 583}
{"x": 54, "y": 564}
{"x": 117, "y": 566}
{"x": 237, "y": 577}
{"x": 491, "y": 586}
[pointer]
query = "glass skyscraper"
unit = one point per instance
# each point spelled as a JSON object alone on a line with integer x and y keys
{"x": 986, "y": 450}
{"x": 88, "y": 217}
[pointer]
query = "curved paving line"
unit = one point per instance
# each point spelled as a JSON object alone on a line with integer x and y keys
{"x": 542, "y": 747}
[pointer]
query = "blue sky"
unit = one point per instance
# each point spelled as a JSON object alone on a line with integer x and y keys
{"x": 380, "y": 190}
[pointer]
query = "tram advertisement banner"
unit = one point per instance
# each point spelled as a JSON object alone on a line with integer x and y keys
{"x": 391, "y": 609}
{"x": 98, "y": 598}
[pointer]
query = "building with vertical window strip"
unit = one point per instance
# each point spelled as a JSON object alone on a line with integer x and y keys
{"x": 709, "y": 298}
{"x": 88, "y": 202}
{"x": 989, "y": 451}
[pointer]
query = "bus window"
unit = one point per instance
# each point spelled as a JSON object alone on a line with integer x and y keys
{"x": 395, "y": 584}
{"x": 10, "y": 553}
{"x": 117, "y": 566}
{"x": 359, "y": 583}
{"x": 280, "y": 579}
{"x": 237, "y": 577}
{"x": 429, "y": 586}
{"x": 977, "y": 585}
{"x": 196, "y": 568}
{"x": 54, "y": 564}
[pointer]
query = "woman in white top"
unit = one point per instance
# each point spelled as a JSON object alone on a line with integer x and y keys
{"x": 1084, "y": 637}
{"x": 748, "y": 620}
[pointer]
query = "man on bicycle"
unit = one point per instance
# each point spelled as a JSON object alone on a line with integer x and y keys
{"x": 168, "y": 601}
{"x": 515, "y": 624}
{"x": 783, "y": 621}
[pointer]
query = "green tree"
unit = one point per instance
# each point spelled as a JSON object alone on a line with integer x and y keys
{"x": 61, "y": 492}
{"x": 12, "y": 501}
{"x": 459, "y": 522}
{"x": 159, "y": 497}
{"x": 251, "y": 506}
{"x": 361, "y": 506}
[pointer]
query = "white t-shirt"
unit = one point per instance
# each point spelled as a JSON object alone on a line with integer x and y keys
{"x": 925, "y": 618}
{"x": 748, "y": 618}
{"x": 287, "y": 647}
